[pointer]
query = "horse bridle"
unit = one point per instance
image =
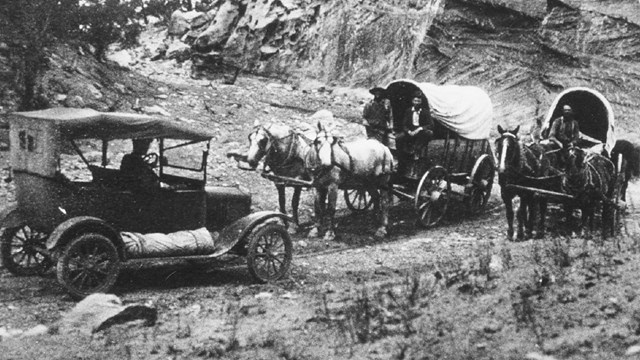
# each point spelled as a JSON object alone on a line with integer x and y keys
{"x": 504, "y": 136}
{"x": 271, "y": 149}
{"x": 335, "y": 141}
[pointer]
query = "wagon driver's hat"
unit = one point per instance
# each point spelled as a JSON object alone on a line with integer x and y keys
{"x": 378, "y": 91}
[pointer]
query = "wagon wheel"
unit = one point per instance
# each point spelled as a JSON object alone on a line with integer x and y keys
{"x": 23, "y": 251}
{"x": 432, "y": 196}
{"x": 357, "y": 199}
{"x": 478, "y": 190}
{"x": 88, "y": 264}
{"x": 269, "y": 253}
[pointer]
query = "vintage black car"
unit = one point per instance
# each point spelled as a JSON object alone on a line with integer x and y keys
{"x": 82, "y": 226}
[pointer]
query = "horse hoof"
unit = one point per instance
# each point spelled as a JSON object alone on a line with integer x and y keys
{"x": 380, "y": 234}
{"x": 313, "y": 233}
{"x": 329, "y": 236}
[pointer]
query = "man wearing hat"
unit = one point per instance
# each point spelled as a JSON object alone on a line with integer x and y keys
{"x": 377, "y": 116}
{"x": 565, "y": 131}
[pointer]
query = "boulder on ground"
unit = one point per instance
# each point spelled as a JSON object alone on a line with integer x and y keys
{"x": 220, "y": 28}
{"x": 181, "y": 21}
{"x": 100, "y": 311}
{"x": 74, "y": 101}
{"x": 179, "y": 51}
{"x": 122, "y": 58}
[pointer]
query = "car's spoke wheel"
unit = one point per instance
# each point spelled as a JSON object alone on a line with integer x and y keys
{"x": 357, "y": 199}
{"x": 23, "y": 251}
{"x": 270, "y": 251}
{"x": 88, "y": 264}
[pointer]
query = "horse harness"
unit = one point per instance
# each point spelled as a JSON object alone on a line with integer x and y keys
{"x": 350, "y": 170}
{"x": 270, "y": 159}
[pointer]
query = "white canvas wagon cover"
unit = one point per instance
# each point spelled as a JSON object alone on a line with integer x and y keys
{"x": 465, "y": 110}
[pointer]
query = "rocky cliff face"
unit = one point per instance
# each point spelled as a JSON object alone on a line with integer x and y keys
{"x": 332, "y": 40}
{"x": 522, "y": 51}
{"x": 525, "y": 57}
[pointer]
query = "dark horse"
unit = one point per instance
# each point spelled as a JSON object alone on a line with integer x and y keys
{"x": 284, "y": 152}
{"x": 630, "y": 162}
{"x": 363, "y": 163}
{"x": 591, "y": 180}
{"x": 518, "y": 165}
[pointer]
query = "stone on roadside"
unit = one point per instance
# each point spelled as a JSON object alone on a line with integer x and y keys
{"x": 74, "y": 101}
{"x": 263, "y": 295}
{"x": 97, "y": 312}
{"x": 155, "y": 110}
{"x": 181, "y": 21}
{"x": 495, "y": 265}
{"x": 220, "y": 28}
{"x": 538, "y": 356}
{"x": 178, "y": 51}
{"x": 6, "y": 333}
{"x": 35, "y": 331}
{"x": 123, "y": 58}
{"x": 633, "y": 350}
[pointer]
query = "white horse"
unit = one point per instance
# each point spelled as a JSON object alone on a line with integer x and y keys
{"x": 362, "y": 163}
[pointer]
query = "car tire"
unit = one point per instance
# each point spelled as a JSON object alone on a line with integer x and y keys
{"x": 21, "y": 249}
{"x": 269, "y": 252}
{"x": 88, "y": 264}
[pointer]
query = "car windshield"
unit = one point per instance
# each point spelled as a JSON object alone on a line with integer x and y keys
{"x": 180, "y": 158}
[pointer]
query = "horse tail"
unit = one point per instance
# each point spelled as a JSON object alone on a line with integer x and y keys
{"x": 631, "y": 153}
{"x": 634, "y": 161}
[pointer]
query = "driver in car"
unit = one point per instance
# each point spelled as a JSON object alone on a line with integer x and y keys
{"x": 137, "y": 167}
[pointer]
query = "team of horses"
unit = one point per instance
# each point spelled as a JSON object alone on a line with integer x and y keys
{"x": 329, "y": 163}
{"x": 587, "y": 178}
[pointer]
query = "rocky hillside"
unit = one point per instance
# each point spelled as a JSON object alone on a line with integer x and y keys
{"x": 522, "y": 52}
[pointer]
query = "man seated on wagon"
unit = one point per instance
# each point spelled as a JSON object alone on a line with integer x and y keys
{"x": 377, "y": 116}
{"x": 137, "y": 173}
{"x": 417, "y": 127}
{"x": 563, "y": 134}
{"x": 565, "y": 130}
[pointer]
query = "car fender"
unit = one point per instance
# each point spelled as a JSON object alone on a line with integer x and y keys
{"x": 71, "y": 228}
{"x": 11, "y": 217}
{"x": 238, "y": 230}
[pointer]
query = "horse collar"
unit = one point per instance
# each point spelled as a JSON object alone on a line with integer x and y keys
{"x": 346, "y": 151}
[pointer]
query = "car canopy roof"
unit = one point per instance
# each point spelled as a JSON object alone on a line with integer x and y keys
{"x": 465, "y": 110}
{"x": 92, "y": 124}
